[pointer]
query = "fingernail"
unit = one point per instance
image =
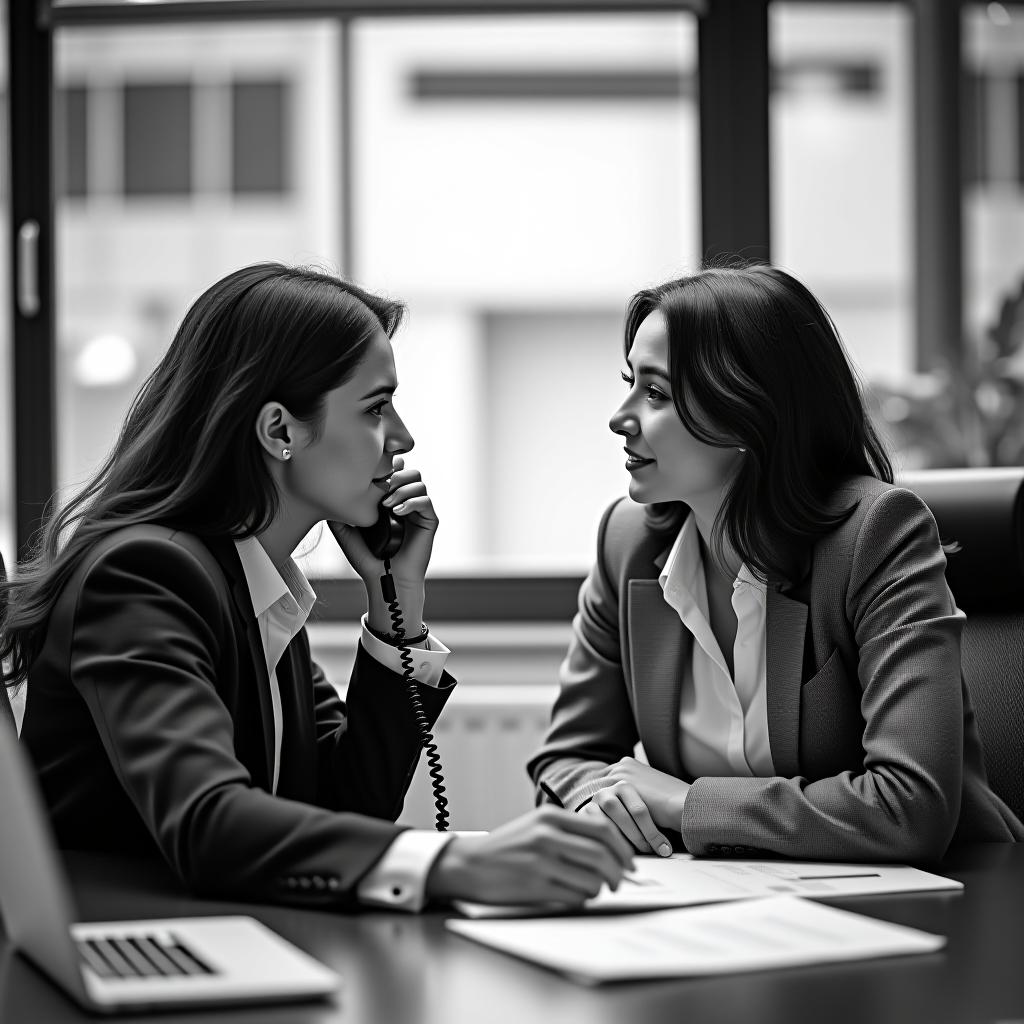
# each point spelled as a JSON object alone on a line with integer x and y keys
{"x": 664, "y": 850}
{"x": 398, "y": 508}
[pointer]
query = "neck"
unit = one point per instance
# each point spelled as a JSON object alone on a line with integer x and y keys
{"x": 720, "y": 558}
{"x": 285, "y": 531}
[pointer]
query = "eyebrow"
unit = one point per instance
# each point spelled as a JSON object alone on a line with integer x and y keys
{"x": 381, "y": 389}
{"x": 651, "y": 371}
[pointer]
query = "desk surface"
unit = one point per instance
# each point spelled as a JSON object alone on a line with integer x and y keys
{"x": 409, "y": 970}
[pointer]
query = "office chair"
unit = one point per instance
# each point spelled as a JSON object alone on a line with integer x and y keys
{"x": 983, "y": 511}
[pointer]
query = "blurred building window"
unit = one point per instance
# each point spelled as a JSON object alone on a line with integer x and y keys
{"x": 157, "y": 139}
{"x": 259, "y": 137}
{"x": 71, "y": 140}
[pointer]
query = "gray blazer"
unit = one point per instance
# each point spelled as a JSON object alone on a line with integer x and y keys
{"x": 871, "y": 727}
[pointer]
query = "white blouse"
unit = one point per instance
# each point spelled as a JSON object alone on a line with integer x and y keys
{"x": 723, "y": 717}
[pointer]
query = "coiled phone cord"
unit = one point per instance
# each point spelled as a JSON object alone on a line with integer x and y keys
{"x": 387, "y": 585}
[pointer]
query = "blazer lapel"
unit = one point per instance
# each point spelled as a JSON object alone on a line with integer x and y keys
{"x": 228, "y": 559}
{"x": 786, "y": 627}
{"x": 658, "y": 647}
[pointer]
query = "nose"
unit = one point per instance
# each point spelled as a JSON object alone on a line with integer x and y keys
{"x": 399, "y": 439}
{"x": 624, "y": 421}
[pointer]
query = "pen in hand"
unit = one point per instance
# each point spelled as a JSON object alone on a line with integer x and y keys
{"x": 551, "y": 795}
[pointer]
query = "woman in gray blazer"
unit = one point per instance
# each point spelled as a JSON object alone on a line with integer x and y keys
{"x": 768, "y": 615}
{"x": 173, "y": 705}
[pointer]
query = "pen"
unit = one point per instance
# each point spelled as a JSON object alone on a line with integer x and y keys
{"x": 551, "y": 795}
{"x": 859, "y": 874}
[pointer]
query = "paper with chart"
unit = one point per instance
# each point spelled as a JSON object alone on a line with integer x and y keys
{"x": 749, "y": 935}
{"x": 682, "y": 880}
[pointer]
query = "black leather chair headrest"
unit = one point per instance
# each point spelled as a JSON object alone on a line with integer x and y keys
{"x": 983, "y": 511}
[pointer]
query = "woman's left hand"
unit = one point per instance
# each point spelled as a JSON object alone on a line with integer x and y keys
{"x": 663, "y": 794}
{"x": 409, "y": 501}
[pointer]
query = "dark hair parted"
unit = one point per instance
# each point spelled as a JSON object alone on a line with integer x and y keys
{"x": 187, "y": 455}
{"x": 756, "y": 362}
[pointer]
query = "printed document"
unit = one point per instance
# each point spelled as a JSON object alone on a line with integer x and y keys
{"x": 682, "y": 880}
{"x": 750, "y": 935}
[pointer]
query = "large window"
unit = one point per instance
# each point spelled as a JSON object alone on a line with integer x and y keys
{"x": 514, "y": 179}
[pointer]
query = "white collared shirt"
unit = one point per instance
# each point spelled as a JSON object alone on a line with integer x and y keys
{"x": 723, "y": 716}
{"x": 282, "y": 601}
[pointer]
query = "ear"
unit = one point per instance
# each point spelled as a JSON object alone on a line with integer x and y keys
{"x": 277, "y": 430}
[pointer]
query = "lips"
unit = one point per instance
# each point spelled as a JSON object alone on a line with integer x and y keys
{"x": 634, "y": 461}
{"x": 383, "y": 482}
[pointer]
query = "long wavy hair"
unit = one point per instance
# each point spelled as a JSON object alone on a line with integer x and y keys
{"x": 187, "y": 455}
{"x": 756, "y": 362}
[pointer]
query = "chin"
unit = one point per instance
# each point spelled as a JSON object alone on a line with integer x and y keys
{"x": 353, "y": 515}
{"x": 643, "y": 495}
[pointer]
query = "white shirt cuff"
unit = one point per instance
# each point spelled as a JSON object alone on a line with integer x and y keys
{"x": 428, "y": 661}
{"x": 399, "y": 878}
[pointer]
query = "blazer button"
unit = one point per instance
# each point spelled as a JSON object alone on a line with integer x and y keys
{"x": 291, "y": 882}
{"x": 318, "y": 882}
{"x": 304, "y": 883}
{"x": 333, "y": 883}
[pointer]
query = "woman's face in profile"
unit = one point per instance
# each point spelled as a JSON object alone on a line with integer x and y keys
{"x": 664, "y": 460}
{"x": 342, "y": 475}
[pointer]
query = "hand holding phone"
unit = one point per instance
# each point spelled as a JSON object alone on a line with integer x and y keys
{"x": 411, "y": 511}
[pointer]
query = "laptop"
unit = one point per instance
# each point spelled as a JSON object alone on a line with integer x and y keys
{"x": 128, "y": 966}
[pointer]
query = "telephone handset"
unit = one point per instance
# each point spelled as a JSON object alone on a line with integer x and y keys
{"x": 384, "y": 539}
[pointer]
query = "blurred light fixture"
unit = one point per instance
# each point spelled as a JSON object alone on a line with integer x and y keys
{"x": 105, "y": 361}
{"x": 998, "y": 14}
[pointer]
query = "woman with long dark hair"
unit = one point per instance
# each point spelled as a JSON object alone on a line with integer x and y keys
{"x": 172, "y": 702}
{"x": 769, "y": 615}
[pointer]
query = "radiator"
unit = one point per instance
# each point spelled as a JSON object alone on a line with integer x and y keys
{"x": 484, "y": 738}
{"x": 493, "y": 722}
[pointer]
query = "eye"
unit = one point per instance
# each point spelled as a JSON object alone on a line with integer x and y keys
{"x": 655, "y": 394}
{"x": 378, "y": 409}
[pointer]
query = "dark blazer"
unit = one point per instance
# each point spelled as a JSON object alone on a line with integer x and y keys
{"x": 872, "y": 733}
{"x": 149, "y": 720}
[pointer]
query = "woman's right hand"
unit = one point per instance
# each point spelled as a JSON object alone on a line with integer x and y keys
{"x": 545, "y": 856}
{"x": 622, "y": 805}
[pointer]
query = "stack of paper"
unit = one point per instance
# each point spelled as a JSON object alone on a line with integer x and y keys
{"x": 755, "y": 934}
{"x": 681, "y": 881}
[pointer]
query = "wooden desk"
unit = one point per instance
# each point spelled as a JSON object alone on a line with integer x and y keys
{"x": 408, "y": 970}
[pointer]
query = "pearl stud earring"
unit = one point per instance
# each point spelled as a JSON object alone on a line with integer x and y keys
{"x": 286, "y": 453}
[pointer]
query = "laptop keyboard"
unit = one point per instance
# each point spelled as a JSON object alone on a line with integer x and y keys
{"x": 141, "y": 956}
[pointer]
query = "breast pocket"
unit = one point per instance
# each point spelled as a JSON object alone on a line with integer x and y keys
{"x": 831, "y": 726}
